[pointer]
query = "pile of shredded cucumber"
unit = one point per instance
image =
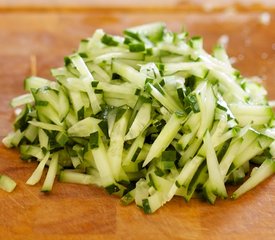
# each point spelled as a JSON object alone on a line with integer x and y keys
{"x": 148, "y": 116}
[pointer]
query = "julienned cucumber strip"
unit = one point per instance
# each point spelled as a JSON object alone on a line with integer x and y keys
{"x": 148, "y": 115}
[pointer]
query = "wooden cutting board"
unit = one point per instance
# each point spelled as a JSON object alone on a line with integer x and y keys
{"x": 86, "y": 212}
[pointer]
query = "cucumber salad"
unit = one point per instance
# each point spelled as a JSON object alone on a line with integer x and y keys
{"x": 148, "y": 115}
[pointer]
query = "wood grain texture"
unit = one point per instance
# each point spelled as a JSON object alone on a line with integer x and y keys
{"x": 190, "y": 5}
{"x": 87, "y": 212}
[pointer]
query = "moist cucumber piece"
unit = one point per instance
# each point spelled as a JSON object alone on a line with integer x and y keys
{"x": 161, "y": 96}
{"x": 165, "y": 137}
{"x": 99, "y": 72}
{"x": 116, "y": 145}
{"x": 37, "y": 174}
{"x": 52, "y": 171}
{"x": 186, "y": 175}
{"x": 266, "y": 169}
{"x": 13, "y": 139}
{"x": 129, "y": 197}
{"x": 198, "y": 180}
{"x": 7, "y": 141}
{"x": 148, "y": 116}
{"x": 21, "y": 120}
{"x": 129, "y": 73}
{"x": 102, "y": 161}
{"x": 87, "y": 79}
{"x": 84, "y": 127}
{"x": 120, "y": 55}
{"x": 115, "y": 90}
{"x": 207, "y": 105}
{"x": 134, "y": 150}
{"x": 153, "y": 31}
{"x": 7, "y": 183}
{"x": 69, "y": 176}
{"x": 132, "y": 163}
{"x": 189, "y": 68}
{"x": 35, "y": 82}
{"x": 140, "y": 122}
{"x": 251, "y": 114}
{"x": 220, "y": 53}
{"x": 215, "y": 183}
{"x": 230, "y": 155}
{"x": 190, "y": 152}
{"x": 28, "y": 151}
{"x": 190, "y": 129}
{"x": 158, "y": 197}
{"x": 63, "y": 103}
{"x": 255, "y": 148}
{"x": 31, "y": 133}
{"x": 46, "y": 126}
{"x": 21, "y": 100}
{"x": 47, "y": 105}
